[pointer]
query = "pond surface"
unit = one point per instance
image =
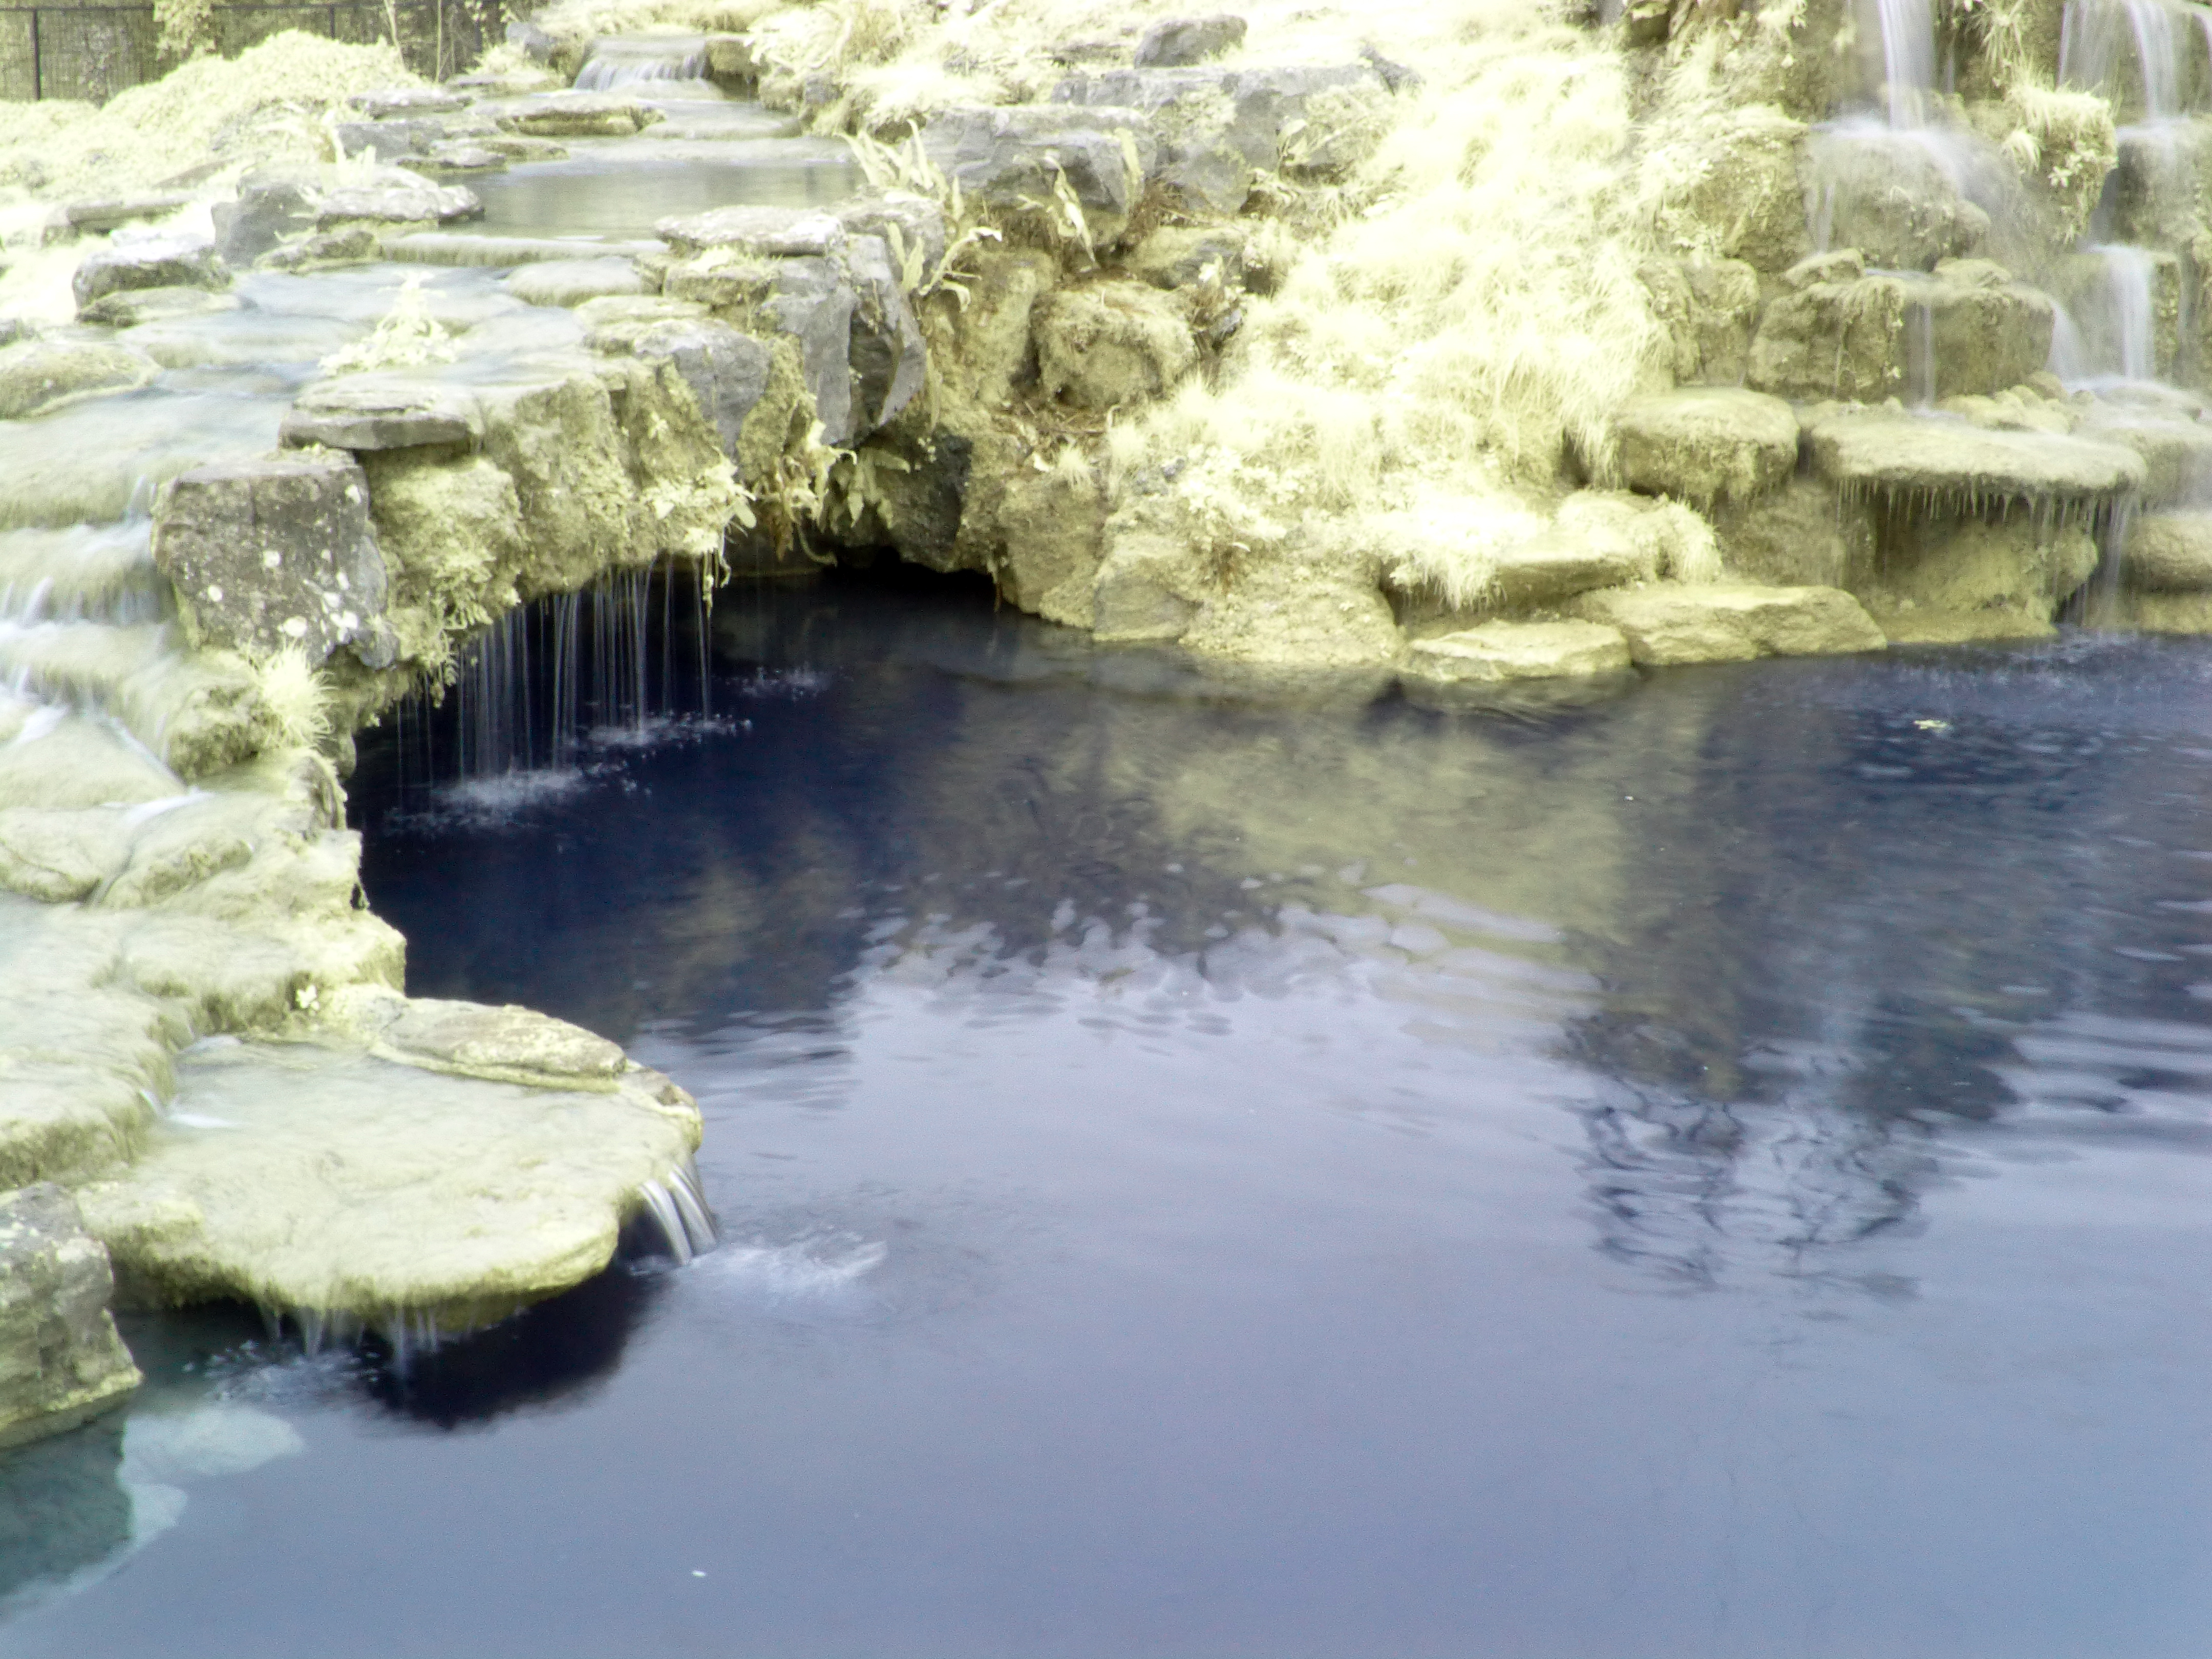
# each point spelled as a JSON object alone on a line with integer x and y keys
{"x": 1209, "y": 1168}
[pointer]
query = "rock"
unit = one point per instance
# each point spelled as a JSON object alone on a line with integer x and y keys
{"x": 270, "y": 207}
{"x": 517, "y": 148}
{"x": 128, "y": 307}
{"x": 1747, "y": 201}
{"x": 1870, "y": 339}
{"x": 397, "y": 197}
{"x": 573, "y": 282}
{"x": 1143, "y": 593}
{"x": 37, "y": 375}
{"x": 16, "y": 329}
{"x": 153, "y": 262}
{"x": 349, "y": 245}
{"x": 728, "y": 372}
{"x": 1667, "y": 624}
{"x": 1798, "y": 536}
{"x": 887, "y": 355}
{"x": 518, "y": 1045}
{"x": 386, "y": 141}
{"x": 1844, "y": 264}
{"x": 1012, "y": 157}
{"x": 275, "y": 554}
{"x": 2177, "y": 452}
{"x": 1054, "y": 524}
{"x": 1712, "y": 309}
{"x": 582, "y": 115}
{"x": 1885, "y": 195}
{"x": 61, "y": 1361}
{"x": 1706, "y": 445}
{"x": 379, "y": 411}
{"x": 1111, "y": 343}
{"x": 1495, "y": 651}
{"x": 441, "y": 247}
{"x": 347, "y": 1187}
{"x": 730, "y": 59}
{"x": 1947, "y": 579}
{"x": 912, "y": 227}
{"x": 2168, "y": 553}
{"x": 1178, "y": 255}
{"x": 456, "y": 160}
{"x": 813, "y": 302}
{"x": 391, "y": 101}
{"x": 1175, "y": 42}
{"x": 1884, "y": 453}
{"x": 759, "y": 232}
{"x": 112, "y": 213}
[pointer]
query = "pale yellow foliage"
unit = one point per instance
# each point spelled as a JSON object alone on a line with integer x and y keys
{"x": 406, "y": 337}
{"x": 267, "y": 103}
{"x": 296, "y": 695}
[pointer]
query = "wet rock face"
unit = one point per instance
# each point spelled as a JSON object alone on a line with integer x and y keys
{"x": 1495, "y": 652}
{"x": 1173, "y": 42}
{"x": 1969, "y": 330}
{"x": 61, "y": 1361}
{"x": 275, "y": 554}
{"x": 156, "y": 262}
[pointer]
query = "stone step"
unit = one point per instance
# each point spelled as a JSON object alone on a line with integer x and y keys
{"x": 1667, "y": 622}
{"x": 1943, "y": 460}
{"x": 442, "y": 247}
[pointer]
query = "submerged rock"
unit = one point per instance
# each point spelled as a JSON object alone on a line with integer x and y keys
{"x": 1669, "y": 624}
{"x": 61, "y": 1361}
{"x": 37, "y": 375}
{"x": 570, "y": 282}
{"x": 1496, "y": 651}
{"x": 131, "y": 307}
{"x": 582, "y": 115}
{"x": 267, "y": 555}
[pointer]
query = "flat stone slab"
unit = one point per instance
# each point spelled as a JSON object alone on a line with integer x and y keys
{"x": 407, "y": 100}
{"x": 581, "y": 115}
{"x": 400, "y": 198}
{"x": 455, "y": 161}
{"x": 433, "y": 248}
{"x": 1175, "y": 42}
{"x": 128, "y": 307}
{"x": 2168, "y": 553}
{"x": 61, "y": 1361}
{"x": 156, "y": 262}
{"x": 576, "y": 281}
{"x": 1561, "y": 563}
{"x": 114, "y": 212}
{"x": 1706, "y": 444}
{"x": 772, "y": 233}
{"x": 1496, "y": 651}
{"x": 1883, "y": 453}
{"x": 379, "y": 412}
{"x": 335, "y": 1184}
{"x": 1666, "y": 623}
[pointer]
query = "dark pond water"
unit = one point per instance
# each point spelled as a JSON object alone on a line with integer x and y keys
{"x": 1213, "y": 1169}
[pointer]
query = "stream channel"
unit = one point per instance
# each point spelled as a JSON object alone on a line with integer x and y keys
{"x": 1711, "y": 1167}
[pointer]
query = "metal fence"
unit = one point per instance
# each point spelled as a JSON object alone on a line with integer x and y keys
{"x": 95, "y": 51}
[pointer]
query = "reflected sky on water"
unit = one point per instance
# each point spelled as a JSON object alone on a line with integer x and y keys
{"x": 1212, "y": 1166}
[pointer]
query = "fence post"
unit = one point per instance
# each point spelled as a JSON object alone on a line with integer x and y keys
{"x": 38, "y": 68}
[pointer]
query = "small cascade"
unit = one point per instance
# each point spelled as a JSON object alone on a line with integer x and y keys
{"x": 576, "y": 671}
{"x": 2097, "y": 38}
{"x": 1907, "y": 29}
{"x": 678, "y": 1209}
{"x": 616, "y": 63}
{"x": 2110, "y": 332}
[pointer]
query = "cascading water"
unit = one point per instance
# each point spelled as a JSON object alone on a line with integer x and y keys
{"x": 2115, "y": 323}
{"x": 615, "y": 64}
{"x": 1907, "y": 29}
{"x": 678, "y": 1209}
{"x": 2097, "y": 36}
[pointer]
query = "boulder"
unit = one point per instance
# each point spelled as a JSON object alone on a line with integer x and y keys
{"x": 36, "y": 375}
{"x": 1012, "y": 158}
{"x": 1710, "y": 308}
{"x": 813, "y": 302}
{"x": 1665, "y": 623}
{"x": 61, "y": 1361}
{"x": 1564, "y": 561}
{"x": 912, "y": 227}
{"x": 1706, "y": 444}
{"x": 2168, "y": 553}
{"x": 1747, "y": 201}
{"x": 379, "y": 411}
{"x": 572, "y": 283}
{"x": 1054, "y": 524}
{"x": 152, "y": 262}
{"x": 1933, "y": 457}
{"x": 1111, "y": 343}
{"x": 455, "y": 160}
{"x": 1495, "y": 651}
{"x": 888, "y": 359}
{"x": 386, "y": 141}
{"x": 1179, "y": 256}
{"x": 728, "y": 372}
{"x": 1176, "y": 42}
{"x": 275, "y": 554}
{"x": 1884, "y": 336}
{"x": 582, "y": 115}
{"x": 2176, "y": 451}
{"x": 271, "y": 206}
{"x": 1798, "y": 536}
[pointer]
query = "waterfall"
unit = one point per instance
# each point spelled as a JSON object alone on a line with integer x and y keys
{"x": 615, "y": 64}
{"x": 2095, "y": 34}
{"x": 2113, "y": 330}
{"x": 678, "y": 1209}
{"x": 1907, "y": 29}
